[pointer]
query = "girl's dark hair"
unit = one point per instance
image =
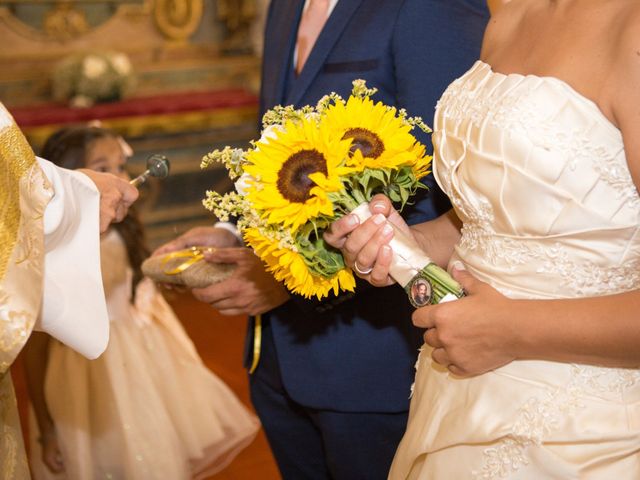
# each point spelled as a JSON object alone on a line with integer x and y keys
{"x": 68, "y": 148}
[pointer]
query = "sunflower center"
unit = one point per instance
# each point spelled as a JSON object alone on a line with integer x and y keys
{"x": 366, "y": 141}
{"x": 294, "y": 183}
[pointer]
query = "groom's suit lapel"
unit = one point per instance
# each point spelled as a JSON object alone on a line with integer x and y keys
{"x": 280, "y": 49}
{"x": 330, "y": 34}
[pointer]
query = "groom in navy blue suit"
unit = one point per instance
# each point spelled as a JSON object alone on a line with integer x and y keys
{"x": 332, "y": 386}
{"x": 333, "y": 379}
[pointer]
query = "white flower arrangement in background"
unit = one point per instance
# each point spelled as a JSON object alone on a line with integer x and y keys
{"x": 83, "y": 79}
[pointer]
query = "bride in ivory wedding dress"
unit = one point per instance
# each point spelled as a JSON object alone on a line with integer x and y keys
{"x": 534, "y": 375}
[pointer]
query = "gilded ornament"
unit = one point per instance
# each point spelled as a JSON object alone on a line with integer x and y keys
{"x": 178, "y": 19}
{"x": 65, "y": 22}
{"x": 237, "y": 16}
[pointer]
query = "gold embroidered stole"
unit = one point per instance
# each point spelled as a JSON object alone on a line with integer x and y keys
{"x": 24, "y": 195}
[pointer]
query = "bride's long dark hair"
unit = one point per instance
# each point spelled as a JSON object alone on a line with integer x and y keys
{"x": 68, "y": 148}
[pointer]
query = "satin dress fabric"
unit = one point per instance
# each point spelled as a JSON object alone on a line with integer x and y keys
{"x": 539, "y": 177}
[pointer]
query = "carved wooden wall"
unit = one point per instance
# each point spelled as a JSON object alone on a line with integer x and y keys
{"x": 176, "y": 46}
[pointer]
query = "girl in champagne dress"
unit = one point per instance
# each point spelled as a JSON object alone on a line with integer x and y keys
{"x": 146, "y": 409}
{"x": 535, "y": 373}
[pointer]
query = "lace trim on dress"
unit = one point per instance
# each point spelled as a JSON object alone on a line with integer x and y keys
{"x": 584, "y": 279}
{"x": 619, "y": 179}
{"x": 542, "y": 414}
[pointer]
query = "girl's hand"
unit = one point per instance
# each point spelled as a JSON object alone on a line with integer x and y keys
{"x": 51, "y": 455}
{"x": 474, "y": 334}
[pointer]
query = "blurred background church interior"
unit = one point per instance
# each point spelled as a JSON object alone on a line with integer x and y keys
{"x": 192, "y": 70}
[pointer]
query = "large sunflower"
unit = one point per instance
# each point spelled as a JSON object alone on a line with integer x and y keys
{"x": 380, "y": 139}
{"x": 294, "y": 171}
{"x": 288, "y": 266}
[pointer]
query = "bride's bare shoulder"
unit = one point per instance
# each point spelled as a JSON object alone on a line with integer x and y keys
{"x": 623, "y": 81}
{"x": 629, "y": 18}
{"x": 625, "y": 46}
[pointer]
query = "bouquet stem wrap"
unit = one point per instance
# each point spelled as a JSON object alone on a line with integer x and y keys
{"x": 423, "y": 280}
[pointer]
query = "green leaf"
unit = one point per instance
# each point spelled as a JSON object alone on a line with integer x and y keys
{"x": 319, "y": 257}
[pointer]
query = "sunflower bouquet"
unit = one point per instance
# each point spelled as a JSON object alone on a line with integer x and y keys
{"x": 313, "y": 165}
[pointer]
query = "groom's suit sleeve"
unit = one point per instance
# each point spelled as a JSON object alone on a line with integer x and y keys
{"x": 433, "y": 43}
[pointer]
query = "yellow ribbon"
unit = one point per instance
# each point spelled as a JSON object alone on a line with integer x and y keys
{"x": 193, "y": 255}
{"x": 257, "y": 343}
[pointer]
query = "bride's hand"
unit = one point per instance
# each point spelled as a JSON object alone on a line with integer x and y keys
{"x": 474, "y": 334}
{"x": 364, "y": 246}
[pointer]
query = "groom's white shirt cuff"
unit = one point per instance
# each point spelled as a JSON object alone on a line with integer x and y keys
{"x": 230, "y": 227}
{"x": 74, "y": 310}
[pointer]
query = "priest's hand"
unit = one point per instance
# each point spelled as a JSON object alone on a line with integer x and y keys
{"x": 116, "y": 196}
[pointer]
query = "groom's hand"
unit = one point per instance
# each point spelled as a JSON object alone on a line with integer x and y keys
{"x": 208, "y": 236}
{"x": 200, "y": 237}
{"x": 250, "y": 290}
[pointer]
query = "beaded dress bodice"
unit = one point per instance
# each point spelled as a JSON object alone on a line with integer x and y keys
{"x": 539, "y": 177}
